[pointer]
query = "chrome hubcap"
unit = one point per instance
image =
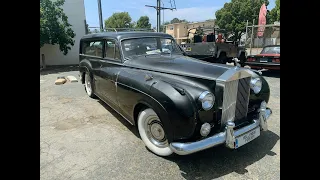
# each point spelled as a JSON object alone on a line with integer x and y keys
{"x": 88, "y": 84}
{"x": 155, "y": 132}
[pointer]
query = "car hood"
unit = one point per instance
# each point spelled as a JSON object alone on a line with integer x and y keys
{"x": 178, "y": 65}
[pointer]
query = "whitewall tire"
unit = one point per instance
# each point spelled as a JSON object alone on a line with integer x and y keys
{"x": 88, "y": 84}
{"x": 152, "y": 133}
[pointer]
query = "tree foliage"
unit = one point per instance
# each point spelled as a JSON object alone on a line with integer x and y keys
{"x": 234, "y": 15}
{"x": 54, "y": 26}
{"x": 275, "y": 13}
{"x": 88, "y": 31}
{"x": 176, "y": 20}
{"x": 143, "y": 22}
{"x": 119, "y": 20}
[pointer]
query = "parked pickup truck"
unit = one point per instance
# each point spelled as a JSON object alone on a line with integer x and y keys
{"x": 206, "y": 48}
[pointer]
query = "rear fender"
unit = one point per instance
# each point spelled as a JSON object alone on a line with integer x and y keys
{"x": 84, "y": 66}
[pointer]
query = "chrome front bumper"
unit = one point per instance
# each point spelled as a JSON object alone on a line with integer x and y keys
{"x": 227, "y": 137}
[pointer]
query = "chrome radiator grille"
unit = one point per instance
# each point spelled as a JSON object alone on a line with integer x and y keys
{"x": 235, "y": 100}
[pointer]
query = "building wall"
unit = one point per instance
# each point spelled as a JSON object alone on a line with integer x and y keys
{"x": 201, "y": 24}
{"x": 179, "y": 30}
{"x": 183, "y": 29}
{"x": 75, "y": 11}
{"x": 170, "y": 29}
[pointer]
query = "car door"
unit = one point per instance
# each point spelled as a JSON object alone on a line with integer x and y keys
{"x": 109, "y": 71}
{"x": 92, "y": 50}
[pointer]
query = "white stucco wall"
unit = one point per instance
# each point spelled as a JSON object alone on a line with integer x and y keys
{"x": 75, "y": 11}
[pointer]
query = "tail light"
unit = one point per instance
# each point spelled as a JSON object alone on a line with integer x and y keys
{"x": 276, "y": 60}
{"x": 251, "y": 59}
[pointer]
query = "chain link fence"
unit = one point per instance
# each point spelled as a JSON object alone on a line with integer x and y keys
{"x": 259, "y": 36}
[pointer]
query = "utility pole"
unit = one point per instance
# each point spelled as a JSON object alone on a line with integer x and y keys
{"x": 162, "y": 14}
{"x": 100, "y": 15}
{"x": 159, "y": 8}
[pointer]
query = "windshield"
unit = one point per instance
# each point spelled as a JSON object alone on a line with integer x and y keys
{"x": 149, "y": 46}
{"x": 271, "y": 50}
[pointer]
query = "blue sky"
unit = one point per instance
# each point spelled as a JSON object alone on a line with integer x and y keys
{"x": 191, "y": 10}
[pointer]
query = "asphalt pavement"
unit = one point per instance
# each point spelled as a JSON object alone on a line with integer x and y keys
{"x": 82, "y": 138}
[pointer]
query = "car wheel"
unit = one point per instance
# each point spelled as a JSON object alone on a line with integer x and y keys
{"x": 88, "y": 84}
{"x": 222, "y": 58}
{"x": 152, "y": 133}
{"x": 242, "y": 59}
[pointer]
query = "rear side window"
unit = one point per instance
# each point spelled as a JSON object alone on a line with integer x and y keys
{"x": 112, "y": 50}
{"x": 92, "y": 48}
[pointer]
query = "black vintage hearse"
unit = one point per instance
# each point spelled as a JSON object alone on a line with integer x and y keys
{"x": 179, "y": 104}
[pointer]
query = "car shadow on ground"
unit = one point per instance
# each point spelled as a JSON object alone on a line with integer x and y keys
{"x": 270, "y": 73}
{"x": 59, "y": 69}
{"x": 217, "y": 161}
{"x": 132, "y": 128}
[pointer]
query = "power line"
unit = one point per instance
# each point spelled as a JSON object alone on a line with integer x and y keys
{"x": 174, "y": 2}
{"x": 159, "y": 8}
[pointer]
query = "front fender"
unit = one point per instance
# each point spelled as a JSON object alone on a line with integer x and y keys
{"x": 264, "y": 94}
{"x": 180, "y": 107}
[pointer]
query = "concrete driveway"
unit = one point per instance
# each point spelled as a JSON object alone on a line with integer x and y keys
{"x": 82, "y": 138}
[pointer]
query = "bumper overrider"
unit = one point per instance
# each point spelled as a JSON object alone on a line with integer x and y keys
{"x": 226, "y": 137}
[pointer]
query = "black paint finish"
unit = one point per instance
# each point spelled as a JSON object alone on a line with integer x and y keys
{"x": 169, "y": 84}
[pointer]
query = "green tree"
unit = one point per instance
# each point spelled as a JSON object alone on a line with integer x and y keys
{"x": 234, "y": 15}
{"x": 88, "y": 31}
{"x": 176, "y": 20}
{"x": 54, "y": 26}
{"x": 199, "y": 31}
{"x": 119, "y": 20}
{"x": 274, "y": 14}
{"x": 143, "y": 22}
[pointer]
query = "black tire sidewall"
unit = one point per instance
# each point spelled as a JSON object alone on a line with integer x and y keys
{"x": 222, "y": 58}
{"x": 242, "y": 59}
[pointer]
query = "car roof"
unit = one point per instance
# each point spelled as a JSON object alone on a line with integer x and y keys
{"x": 124, "y": 35}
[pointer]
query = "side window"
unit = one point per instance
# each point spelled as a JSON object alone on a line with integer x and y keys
{"x": 92, "y": 48}
{"x": 112, "y": 50}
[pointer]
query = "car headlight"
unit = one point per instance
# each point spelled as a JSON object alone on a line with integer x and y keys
{"x": 207, "y": 100}
{"x": 256, "y": 85}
